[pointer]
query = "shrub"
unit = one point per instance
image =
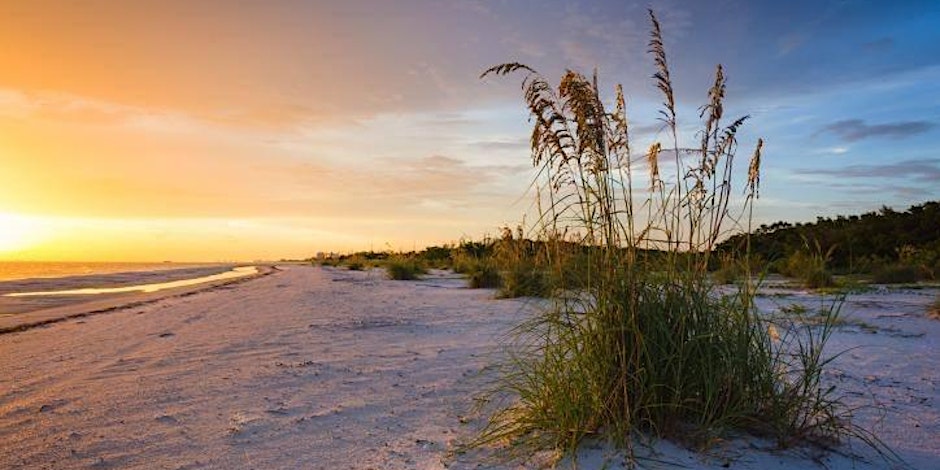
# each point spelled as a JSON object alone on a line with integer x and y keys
{"x": 438, "y": 257}
{"x": 485, "y": 275}
{"x": 354, "y": 262}
{"x": 817, "y": 278}
{"x": 642, "y": 342}
{"x": 729, "y": 271}
{"x": 464, "y": 263}
{"x": 403, "y": 268}
{"x": 809, "y": 269}
{"x": 522, "y": 268}
{"x": 896, "y": 274}
{"x": 524, "y": 279}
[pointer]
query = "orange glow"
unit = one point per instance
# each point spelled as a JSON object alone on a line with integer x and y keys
{"x": 18, "y": 233}
{"x": 136, "y": 131}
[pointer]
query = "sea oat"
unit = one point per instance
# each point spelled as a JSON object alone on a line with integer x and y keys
{"x": 652, "y": 158}
{"x": 753, "y": 170}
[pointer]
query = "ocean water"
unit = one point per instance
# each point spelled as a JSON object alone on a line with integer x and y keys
{"x": 144, "y": 287}
{"x": 13, "y": 270}
{"x": 26, "y": 287}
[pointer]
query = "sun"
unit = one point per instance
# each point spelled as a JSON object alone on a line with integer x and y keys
{"x": 18, "y": 232}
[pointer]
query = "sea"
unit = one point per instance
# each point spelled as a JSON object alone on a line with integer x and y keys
{"x": 30, "y": 286}
{"x": 14, "y": 270}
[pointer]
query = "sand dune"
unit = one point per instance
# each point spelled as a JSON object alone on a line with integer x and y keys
{"x": 326, "y": 368}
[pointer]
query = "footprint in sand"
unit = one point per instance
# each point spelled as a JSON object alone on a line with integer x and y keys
{"x": 166, "y": 419}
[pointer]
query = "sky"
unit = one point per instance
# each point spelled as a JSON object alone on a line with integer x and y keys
{"x": 203, "y": 130}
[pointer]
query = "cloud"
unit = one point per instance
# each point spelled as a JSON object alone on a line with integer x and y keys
{"x": 455, "y": 120}
{"x": 878, "y": 45}
{"x": 647, "y": 130}
{"x": 918, "y": 170}
{"x": 791, "y": 42}
{"x": 397, "y": 187}
{"x": 853, "y": 130}
{"x": 502, "y": 145}
{"x": 837, "y": 150}
{"x": 593, "y": 36}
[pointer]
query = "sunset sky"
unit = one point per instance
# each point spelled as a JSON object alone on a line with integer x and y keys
{"x": 217, "y": 130}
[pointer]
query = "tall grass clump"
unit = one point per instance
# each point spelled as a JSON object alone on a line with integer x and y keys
{"x": 896, "y": 274}
{"x": 523, "y": 271}
{"x": 809, "y": 266}
{"x": 476, "y": 261}
{"x": 729, "y": 271}
{"x": 640, "y": 341}
{"x": 404, "y": 268}
{"x": 485, "y": 275}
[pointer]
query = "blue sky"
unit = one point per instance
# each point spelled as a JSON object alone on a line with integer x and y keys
{"x": 223, "y": 130}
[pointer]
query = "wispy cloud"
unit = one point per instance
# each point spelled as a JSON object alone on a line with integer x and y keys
{"x": 837, "y": 150}
{"x": 853, "y": 130}
{"x": 878, "y": 45}
{"x": 919, "y": 170}
{"x": 501, "y": 145}
{"x": 791, "y": 42}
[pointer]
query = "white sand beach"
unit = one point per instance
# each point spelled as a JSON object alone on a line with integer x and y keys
{"x": 327, "y": 368}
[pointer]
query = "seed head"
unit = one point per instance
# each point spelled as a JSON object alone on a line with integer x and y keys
{"x": 753, "y": 170}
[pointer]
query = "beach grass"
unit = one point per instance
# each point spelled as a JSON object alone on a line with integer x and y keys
{"x": 896, "y": 274}
{"x": 484, "y": 275}
{"x": 404, "y": 268}
{"x": 637, "y": 339}
{"x": 809, "y": 266}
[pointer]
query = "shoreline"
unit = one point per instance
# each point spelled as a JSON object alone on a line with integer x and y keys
{"x": 16, "y": 271}
{"x": 119, "y": 278}
{"x": 82, "y": 306}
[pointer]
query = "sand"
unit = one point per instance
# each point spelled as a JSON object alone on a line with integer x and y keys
{"x": 326, "y": 368}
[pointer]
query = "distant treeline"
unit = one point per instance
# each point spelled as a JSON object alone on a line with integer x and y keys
{"x": 888, "y": 245}
{"x": 854, "y": 244}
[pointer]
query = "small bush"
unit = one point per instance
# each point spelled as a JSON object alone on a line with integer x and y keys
{"x": 524, "y": 279}
{"x": 897, "y": 274}
{"x": 522, "y": 269}
{"x": 404, "y": 269}
{"x": 485, "y": 275}
{"x": 809, "y": 269}
{"x": 438, "y": 257}
{"x": 817, "y": 278}
{"x": 730, "y": 270}
{"x": 354, "y": 262}
{"x": 463, "y": 263}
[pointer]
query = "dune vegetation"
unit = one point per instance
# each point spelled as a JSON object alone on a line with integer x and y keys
{"x": 629, "y": 249}
{"x": 637, "y": 339}
{"x": 886, "y": 246}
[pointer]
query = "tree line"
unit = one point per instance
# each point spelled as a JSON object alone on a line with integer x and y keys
{"x": 863, "y": 243}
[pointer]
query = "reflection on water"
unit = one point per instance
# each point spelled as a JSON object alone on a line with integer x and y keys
{"x": 234, "y": 273}
{"x": 16, "y": 270}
